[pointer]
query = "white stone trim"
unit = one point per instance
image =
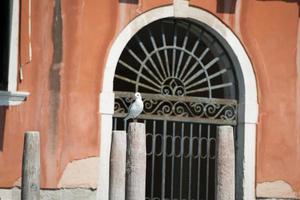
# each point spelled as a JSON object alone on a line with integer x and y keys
{"x": 11, "y": 97}
{"x": 107, "y": 100}
{"x": 8, "y": 98}
{"x": 251, "y": 105}
{"x": 14, "y": 47}
{"x": 249, "y": 161}
{"x": 180, "y": 7}
{"x": 106, "y": 109}
{"x": 251, "y": 108}
{"x": 104, "y": 159}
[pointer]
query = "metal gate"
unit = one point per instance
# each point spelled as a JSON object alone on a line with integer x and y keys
{"x": 188, "y": 87}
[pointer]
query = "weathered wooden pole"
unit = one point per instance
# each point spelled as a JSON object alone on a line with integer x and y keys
{"x": 117, "y": 166}
{"x": 225, "y": 163}
{"x": 31, "y": 166}
{"x": 136, "y": 162}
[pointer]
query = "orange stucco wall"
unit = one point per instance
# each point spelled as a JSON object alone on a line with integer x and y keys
{"x": 64, "y": 78}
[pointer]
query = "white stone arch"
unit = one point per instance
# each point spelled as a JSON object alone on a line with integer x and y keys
{"x": 181, "y": 9}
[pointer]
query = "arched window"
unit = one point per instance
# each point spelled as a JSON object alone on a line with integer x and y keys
{"x": 189, "y": 86}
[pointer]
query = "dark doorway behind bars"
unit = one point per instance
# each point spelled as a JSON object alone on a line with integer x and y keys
{"x": 189, "y": 87}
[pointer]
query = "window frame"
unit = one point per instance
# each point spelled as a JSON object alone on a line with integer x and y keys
{"x": 11, "y": 96}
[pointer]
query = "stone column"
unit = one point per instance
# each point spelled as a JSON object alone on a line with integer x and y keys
{"x": 117, "y": 166}
{"x": 136, "y": 162}
{"x": 31, "y": 167}
{"x": 225, "y": 163}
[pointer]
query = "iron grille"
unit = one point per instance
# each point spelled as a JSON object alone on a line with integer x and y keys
{"x": 188, "y": 87}
{"x": 180, "y": 159}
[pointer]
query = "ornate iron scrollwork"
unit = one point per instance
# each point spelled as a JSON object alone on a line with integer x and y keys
{"x": 179, "y": 108}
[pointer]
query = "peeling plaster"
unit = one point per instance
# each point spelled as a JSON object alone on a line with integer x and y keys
{"x": 18, "y": 182}
{"x": 80, "y": 174}
{"x": 275, "y": 189}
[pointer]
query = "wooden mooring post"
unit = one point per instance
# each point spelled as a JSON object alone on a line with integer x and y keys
{"x": 31, "y": 167}
{"x": 225, "y": 163}
{"x": 117, "y": 166}
{"x": 136, "y": 162}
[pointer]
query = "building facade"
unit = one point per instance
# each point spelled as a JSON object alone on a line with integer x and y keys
{"x": 65, "y": 58}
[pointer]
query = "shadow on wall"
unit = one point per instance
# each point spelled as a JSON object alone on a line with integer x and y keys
{"x": 129, "y": 1}
{"x": 2, "y": 125}
{"x": 227, "y": 6}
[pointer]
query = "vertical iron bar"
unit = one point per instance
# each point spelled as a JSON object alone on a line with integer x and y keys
{"x": 181, "y": 159}
{"x": 188, "y": 60}
{"x": 190, "y": 159}
{"x": 174, "y": 49}
{"x": 125, "y": 124}
{"x": 115, "y": 123}
{"x": 157, "y": 53}
{"x": 199, "y": 161}
{"x": 207, "y": 162}
{"x": 173, "y": 155}
{"x": 150, "y": 58}
{"x": 153, "y": 157}
{"x": 215, "y": 162}
{"x": 184, "y": 47}
{"x": 164, "y": 160}
{"x": 165, "y": 51}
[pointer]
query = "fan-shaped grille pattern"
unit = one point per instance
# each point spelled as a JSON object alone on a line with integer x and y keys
{"x": 175, "y": 57}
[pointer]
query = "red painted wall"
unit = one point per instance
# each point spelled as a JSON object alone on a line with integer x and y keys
{"x": 65, "y": 77}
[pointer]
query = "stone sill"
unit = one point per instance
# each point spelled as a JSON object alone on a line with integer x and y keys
{"x": 12, "y": 98}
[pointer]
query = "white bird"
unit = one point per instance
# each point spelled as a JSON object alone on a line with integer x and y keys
{"x": 136, "y": 108}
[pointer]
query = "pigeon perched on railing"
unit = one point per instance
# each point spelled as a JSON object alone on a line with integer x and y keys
{"x": 136, "y": 108}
